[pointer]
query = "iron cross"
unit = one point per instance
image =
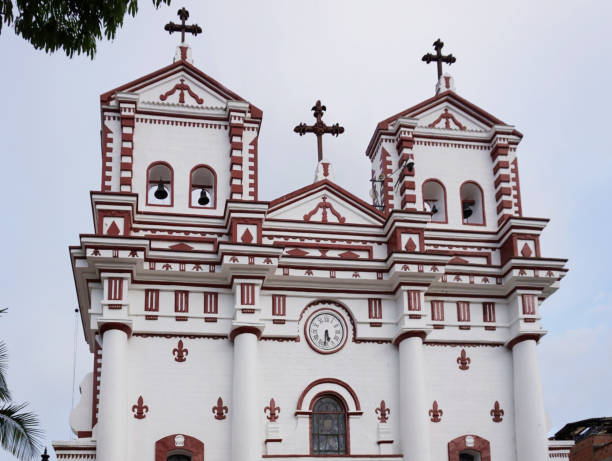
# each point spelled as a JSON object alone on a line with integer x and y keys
{"x": 438, "y": 57}
{"x": 183, "y": 14}
{"x": 319, "y": 128}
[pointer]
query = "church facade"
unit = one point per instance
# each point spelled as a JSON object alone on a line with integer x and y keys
{"x": 316, "y": 324}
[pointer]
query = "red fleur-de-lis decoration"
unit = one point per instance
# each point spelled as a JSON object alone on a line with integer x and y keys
{"x": 220, "y": 411}
{"x": 140, "y": 409}
{"x": 273, "y": 411}
{"x": 180, "y": 353}
{"x": 497, "y": 413}
{"x": 383, "y": 412}
{"x": 463, "y": 360}
{"x": 435, "y": 413}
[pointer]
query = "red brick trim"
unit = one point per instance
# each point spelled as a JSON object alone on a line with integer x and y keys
{"x": 246, "y": 329}
{"x": 166, "y": 446}
{"x": 456, "y": 446}
{"x": 115, "y": 326}
{"x": 409, "y": 334}
{"x": 524, "y": 337}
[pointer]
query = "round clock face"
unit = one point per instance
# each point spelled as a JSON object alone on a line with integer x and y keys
{"x": 326, "y": 331}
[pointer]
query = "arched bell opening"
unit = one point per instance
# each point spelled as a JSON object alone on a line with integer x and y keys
{"x": 434, "y": 200}
{"x": 202, "y": 187}
{"x": 160, "y": 187}
{"x": 472, "y": 204}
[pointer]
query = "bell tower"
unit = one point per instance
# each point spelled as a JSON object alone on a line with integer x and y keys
{"x": 178, "y": 141}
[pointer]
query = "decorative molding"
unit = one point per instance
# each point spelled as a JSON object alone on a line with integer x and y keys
{"x": 182, "y": 87}
{"x": 324, "y": 206}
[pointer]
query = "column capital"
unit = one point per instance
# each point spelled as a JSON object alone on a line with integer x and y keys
{"x": 257, "y": 331}
{"x": 115, "y": 324}
{"x": 405, "y": 334}
{"x": 524, "y": 337}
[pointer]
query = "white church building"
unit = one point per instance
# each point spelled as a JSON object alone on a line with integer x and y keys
{"x": 317, "y": 324}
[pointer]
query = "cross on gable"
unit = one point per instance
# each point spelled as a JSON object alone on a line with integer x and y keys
{"x": 438, "y": 57}
{"x": 183, "y": 14}
{"x": 319, "y": 128}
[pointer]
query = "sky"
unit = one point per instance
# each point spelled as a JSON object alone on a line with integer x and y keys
{"x": 541, "y": 66}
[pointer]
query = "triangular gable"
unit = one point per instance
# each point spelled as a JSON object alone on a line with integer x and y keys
{"x": 445, "y": 111}
{"x": 450, "y": 99}
{"x": 324, "y": 202}
{"x": 164, "y": 87}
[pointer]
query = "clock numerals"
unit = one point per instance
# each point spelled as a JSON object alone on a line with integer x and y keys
{"x": 326, "y": 332}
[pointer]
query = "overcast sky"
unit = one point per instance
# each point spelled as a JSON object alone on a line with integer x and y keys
{"x": 542, "y": 66}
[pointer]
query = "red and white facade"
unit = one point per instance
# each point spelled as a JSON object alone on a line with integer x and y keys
{"x": 197, "y": 313}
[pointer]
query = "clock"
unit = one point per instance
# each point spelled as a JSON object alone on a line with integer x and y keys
{"x": 326, "y": 331}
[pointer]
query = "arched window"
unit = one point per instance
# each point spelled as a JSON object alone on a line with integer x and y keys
{"x": 329, "y": 421}
{"x": 202, "y": 187}
{"x": 160, "y": 190}
{"x": 434, "y": 200}
{"x": 472, "y": 204}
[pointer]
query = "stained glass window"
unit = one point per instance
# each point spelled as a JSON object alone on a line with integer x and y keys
{"x": 328, "y": 427}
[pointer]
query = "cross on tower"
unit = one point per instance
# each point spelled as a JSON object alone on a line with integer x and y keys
{"x": 438, "y": 57}
{"x": 319, "y": 128}
{"x": 183, "y": 14}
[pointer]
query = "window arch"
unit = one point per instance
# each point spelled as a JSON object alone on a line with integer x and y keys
{"x": 202, "y": 187}
{"x": 472, "y": 204}
{"x": 329, "y": 431}
{"x": 434, "y": 200}
{"x": 469, "y": 447}
{"x": 179, "y": 447}
{"x": 160, "y": 184}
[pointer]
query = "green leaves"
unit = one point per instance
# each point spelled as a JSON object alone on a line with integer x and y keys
{"x": 72, "y": 25}
{"x": 19, "y": 431}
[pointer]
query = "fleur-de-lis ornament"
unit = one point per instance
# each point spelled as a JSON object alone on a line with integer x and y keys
{"x": 497, "y": 413}
{"x": 273, "y": 411}
{"x": 383, "y": 412}
{"x": 220, "y": 411}
{"x": 436, "y": 413}
{"x": 140, "y": 409}
{"x": 180, "y": 353}
{"x": 463, "y": 360}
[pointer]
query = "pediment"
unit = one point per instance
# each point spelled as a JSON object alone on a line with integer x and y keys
{"x": 324, "y": 203}
{"x": 447, "y": 116}
{"x": 179, "y": 87}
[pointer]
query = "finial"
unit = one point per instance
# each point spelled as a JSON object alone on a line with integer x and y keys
{"x": 319, "y": 128}
{"x": 183, "y": 15}
{"x": 438, "y": 57}
{"x": 44, "y": 456}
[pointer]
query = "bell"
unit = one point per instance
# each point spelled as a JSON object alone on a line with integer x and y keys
{"x": 204, "y": 198}
{"x": 434, "y": 209}
{"x": 467, "y": 211}
{"x": 161, "y": 193}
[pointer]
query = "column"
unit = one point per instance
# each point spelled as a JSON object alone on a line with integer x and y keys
{"x": 529, "y": 416}
{"x": 413, "y": 397}
{"x": 111, "y": 430}
{"x": 245, "y": 416}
